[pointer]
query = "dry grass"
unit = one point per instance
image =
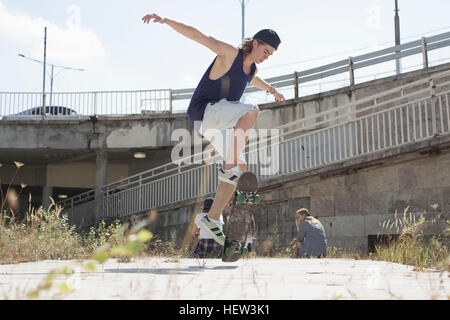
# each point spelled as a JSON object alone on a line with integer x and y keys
{"x": 422, "y": 242}
{"x": 45, "y": 234}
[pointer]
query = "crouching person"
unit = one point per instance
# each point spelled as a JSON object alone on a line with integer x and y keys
{"x": 311, "y": 239}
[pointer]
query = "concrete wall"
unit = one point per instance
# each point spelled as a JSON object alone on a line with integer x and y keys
{"x": 82, "y": 175}
{"x": 125, "y": 132}
{"x": 352, "y": 206}
{"x": 71, "y": 175}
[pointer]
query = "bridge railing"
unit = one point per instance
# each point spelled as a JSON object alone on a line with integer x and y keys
{"x": 14, "y": 104}
{"x": 76, "y": 104}
{"x": 406, "y": 114}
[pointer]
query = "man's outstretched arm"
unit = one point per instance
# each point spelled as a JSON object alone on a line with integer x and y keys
{"x": 263, "y": 85}
{"x": 219, "y": 47}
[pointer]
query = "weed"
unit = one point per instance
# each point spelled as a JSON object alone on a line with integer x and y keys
{"x": 422, "y": 242}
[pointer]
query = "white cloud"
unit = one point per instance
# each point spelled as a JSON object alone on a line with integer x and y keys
{"x": 68, "y": 44}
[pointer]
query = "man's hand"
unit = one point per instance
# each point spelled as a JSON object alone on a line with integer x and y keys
{"x": 263, "y": 85}
{"x": 278, "y": 96}
{"x": 153, "y": 16}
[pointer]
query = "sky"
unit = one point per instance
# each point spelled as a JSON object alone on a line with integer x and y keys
{"x": 118, "y": 52}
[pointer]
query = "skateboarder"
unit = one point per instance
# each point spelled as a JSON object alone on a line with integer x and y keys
{"x": 215, "y": 105}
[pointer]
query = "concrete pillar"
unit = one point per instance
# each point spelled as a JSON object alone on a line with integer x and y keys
{"x": 100, "y": 181}
{"x": 47, "y": 192}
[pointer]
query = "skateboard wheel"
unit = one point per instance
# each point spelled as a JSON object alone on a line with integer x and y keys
{"x": 256, "y": 199}
{"x": 244, "y": 251}
{"x": 228, "y": 252}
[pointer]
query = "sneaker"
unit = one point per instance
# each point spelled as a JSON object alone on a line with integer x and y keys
{"x": 230, "y": 176}
{"x": 213, "y": 228}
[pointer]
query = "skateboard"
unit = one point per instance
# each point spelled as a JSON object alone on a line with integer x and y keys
{"x": 246, "y": 197}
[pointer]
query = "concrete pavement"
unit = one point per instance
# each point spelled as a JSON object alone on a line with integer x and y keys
{"x": 254, "y": 278}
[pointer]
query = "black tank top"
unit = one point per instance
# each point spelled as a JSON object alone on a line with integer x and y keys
{"x": 230, "y": 86}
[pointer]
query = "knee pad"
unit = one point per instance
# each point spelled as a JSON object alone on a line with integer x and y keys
{"x": 230, "y": 176}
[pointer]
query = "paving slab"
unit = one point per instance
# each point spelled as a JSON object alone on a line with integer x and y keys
{"x": 211, "y": 279}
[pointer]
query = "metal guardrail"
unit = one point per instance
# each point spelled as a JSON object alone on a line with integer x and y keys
{"x": 406, "y": 114}
{"x": 149, "y": 101}
{"x": 14, "y": 104}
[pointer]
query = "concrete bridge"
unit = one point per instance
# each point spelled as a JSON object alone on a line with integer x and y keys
{"x": 350, "y": 195}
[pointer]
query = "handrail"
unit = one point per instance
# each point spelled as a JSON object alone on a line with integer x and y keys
{"x": 375, "y": 96}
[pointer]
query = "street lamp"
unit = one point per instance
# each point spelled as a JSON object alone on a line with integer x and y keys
{"x": 52, "y": 75}
{"x": 243, "y": 4}
{"x": 397, "y": 35}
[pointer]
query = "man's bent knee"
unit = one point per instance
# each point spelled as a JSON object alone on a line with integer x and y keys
{"x": 253, "y": 113}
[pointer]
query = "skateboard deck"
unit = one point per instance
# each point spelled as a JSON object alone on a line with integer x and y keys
{"x": 246, "y": 197}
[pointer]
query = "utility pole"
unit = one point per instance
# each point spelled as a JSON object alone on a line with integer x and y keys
{"x": 45, "y": 67}
{"x": 52, "y": 76}
{"x": 243, "y": 4}
{"x": 397, "y": 36}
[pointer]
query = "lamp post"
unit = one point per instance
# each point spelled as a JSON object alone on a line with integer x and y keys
{"x": 52, "y": 76}
{"x": 243, "y": 4}
{"x": 45, "y": 68}
{"x": 397, "y": 35}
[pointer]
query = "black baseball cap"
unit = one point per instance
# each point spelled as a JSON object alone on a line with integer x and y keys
{"x": 207, "y": 204}
{"x": 268, "y": 36}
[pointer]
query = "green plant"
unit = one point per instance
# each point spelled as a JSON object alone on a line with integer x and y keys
{"x": 97, "y": 237}
{"x": 132, "y": 245}
{"x": 422, "y": 242}
{"x": 43, "y": 234}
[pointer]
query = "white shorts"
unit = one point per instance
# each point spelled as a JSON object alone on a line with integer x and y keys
{"x": 219, "y": 121}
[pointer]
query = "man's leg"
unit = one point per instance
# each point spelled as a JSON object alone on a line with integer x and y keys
{"x": 239, "y": 138}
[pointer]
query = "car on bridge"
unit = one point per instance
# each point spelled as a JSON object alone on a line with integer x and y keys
{"x": 49, "y": 111}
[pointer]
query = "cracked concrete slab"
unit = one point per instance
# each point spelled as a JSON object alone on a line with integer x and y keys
{"x": 253, "y": 278}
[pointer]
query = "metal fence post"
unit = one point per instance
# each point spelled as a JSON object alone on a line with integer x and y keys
{"x": 424, "y": 53}
{"x": 433, "y": 106}
{"x": 95, "y": 103}
{"x": 295, "y": 84}
{"x": 43, "y": 107}
{"x": 351, "y": 71}
{"x": 170, "y": 102}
